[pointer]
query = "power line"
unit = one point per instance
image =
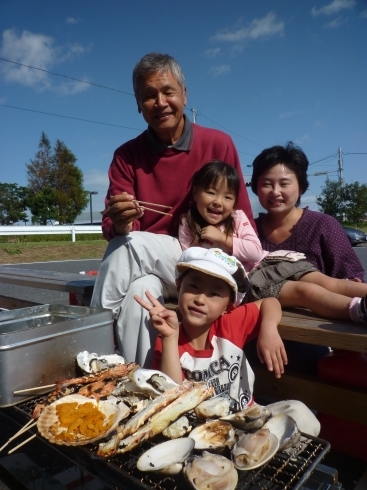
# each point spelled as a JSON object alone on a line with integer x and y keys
{"x": 64, "y": 76}
{"x": 70, "y": 117}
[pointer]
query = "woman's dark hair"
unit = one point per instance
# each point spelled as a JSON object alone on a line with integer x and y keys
{"x": 208, "y": 176}
{"x": 291, "y": 156}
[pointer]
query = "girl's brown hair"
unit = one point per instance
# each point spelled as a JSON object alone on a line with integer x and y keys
{"x": 208, "y": 176}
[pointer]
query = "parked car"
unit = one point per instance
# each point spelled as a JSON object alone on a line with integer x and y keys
{"x": 355, "y": 236}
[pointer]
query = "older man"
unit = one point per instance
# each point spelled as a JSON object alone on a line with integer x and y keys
{"x": 156, "y": 167}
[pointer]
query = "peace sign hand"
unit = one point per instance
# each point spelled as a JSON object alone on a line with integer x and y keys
{"x": 163, "y": 320}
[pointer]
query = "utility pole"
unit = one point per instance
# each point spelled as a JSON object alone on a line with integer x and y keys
{"x": 340, "y": 168}
{"x": 194, "y": 114}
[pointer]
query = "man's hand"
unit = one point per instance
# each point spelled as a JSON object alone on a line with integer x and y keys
{"x": 123, "y": 210}
{"x": 163, "y": 320}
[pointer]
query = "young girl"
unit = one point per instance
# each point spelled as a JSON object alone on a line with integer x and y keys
{"x": 212, "y": 221}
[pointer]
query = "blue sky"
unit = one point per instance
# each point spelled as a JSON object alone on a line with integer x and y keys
{"x": 265, "y": 72}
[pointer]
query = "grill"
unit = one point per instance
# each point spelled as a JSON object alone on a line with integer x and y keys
{"x": 287, "y": 470}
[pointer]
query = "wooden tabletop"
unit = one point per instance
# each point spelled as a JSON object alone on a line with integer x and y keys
{"x": 303, "y": 326}
{"x": 56, "y": 281}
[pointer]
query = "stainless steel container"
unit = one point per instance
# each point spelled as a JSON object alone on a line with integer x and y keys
{"x": 39, "y": 345}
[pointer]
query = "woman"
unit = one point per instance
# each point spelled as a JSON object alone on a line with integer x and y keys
{"x": 279, "y": 179}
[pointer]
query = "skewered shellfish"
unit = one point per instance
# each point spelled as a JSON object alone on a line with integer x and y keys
{"x": 211, "y": 472}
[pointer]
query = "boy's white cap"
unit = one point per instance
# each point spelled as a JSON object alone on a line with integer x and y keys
{"x": 216, "y": 263}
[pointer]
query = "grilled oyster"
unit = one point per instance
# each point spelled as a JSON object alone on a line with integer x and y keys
{"x": 250, "y": 418}
{"x": 93, "y": 363}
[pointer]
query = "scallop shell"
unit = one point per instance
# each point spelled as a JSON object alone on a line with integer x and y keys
{"x": 211, "y": 471}
{"x": 258, "y": 447}
{"x": 250, "y": 418}
{"x": 49, "y": 427}
{"x": 285, "y": 429}
{"x": 214, "y": 435}
{"x": 166, "y": 457}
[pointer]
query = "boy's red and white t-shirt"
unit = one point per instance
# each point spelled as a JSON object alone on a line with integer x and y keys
{"x": 223, "y": 366}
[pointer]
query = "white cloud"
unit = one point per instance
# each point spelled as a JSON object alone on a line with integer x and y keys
{"x": 39, "y": 51}
{"x": 363, "y": 14}
{"x": 302, "y": 139}
{"x": 212, "y": 53}
{"x": 71, "y": 20}
{"x": 263, "y": 28}
{"x": 284, "y": 115}
{"x": 334, "y": 7}
{"x": 96, "y": 180}
{"x": 335, "y": 23}
{"x": 319, "y": 124}
{"x": 217, "y": 71}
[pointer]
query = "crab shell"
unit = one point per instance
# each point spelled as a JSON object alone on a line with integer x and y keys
{"x": 49, "y": 418}
{"x": 211, "y": 471}
{"x": 167, "y": 457}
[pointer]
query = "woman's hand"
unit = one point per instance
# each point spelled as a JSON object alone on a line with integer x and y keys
{"x": 163, "y": 320}
{"x": 123, "y": 210}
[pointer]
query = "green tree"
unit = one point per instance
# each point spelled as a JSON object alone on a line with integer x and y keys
{"x": 42, "y": 205}
{"x": 356, "y": 202}
{"x": 13, "y": 204}
{"x": 56, "y": 184}
{"x": 331, "y": 200}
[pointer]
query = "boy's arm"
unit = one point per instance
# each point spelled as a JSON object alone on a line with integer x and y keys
{"x": 270, "y": 347}
{"x": 166, "y": 323}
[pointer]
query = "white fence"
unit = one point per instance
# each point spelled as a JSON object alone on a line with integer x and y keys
{"x": 50, "y": 230}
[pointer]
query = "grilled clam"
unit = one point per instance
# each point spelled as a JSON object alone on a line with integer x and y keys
{"x": 254, "y": 450}
{"x": 213, "y": 408}
{"x": 285, "y": 429}
{"x": 250, "y": 418}
{"x": 214, "y": 435}
{"x": 300, "y": 413}
{"x": 167, "y": 457}
{"x": 211, "y": 472}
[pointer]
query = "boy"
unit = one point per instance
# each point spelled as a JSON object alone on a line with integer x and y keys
{"x": 208, "y": 344}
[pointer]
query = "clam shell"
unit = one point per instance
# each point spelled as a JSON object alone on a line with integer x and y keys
{"x": 247, "y": 445}
{"x": 49, "y": 427}
{"x": 300, "y": 413}
{"x": 214, "y": 407}
{"x": 165, "y": 457}
{"x": 216, "y": 434}
{"x": 285, "y": 429}
{"x": 211, "y": 471}
{"x": 250, "y": 418}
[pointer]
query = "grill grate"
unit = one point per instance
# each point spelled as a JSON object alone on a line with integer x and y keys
{"x": 287, "y": 470}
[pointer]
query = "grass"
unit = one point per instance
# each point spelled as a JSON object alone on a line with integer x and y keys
{"x": 15, "y": 253}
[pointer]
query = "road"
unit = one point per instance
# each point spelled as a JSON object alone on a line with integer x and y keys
{"x": 53, "y": 297}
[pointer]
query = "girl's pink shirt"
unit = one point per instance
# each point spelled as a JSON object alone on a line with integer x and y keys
{"x": 246, "y": 245}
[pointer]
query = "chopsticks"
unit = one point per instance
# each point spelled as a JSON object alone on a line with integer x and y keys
{"x": 154, "y": 204}
{"x": 33, "y": 389}
{"x": 31, "y": 423}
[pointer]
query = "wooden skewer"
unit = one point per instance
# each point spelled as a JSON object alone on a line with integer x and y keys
{"x": 33, "y": 389}
{"x": 153, "y": 204}
{"x": 31, "y": 423}
{"x": 156, "y": 211}
{"x": 22, "y": 444}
